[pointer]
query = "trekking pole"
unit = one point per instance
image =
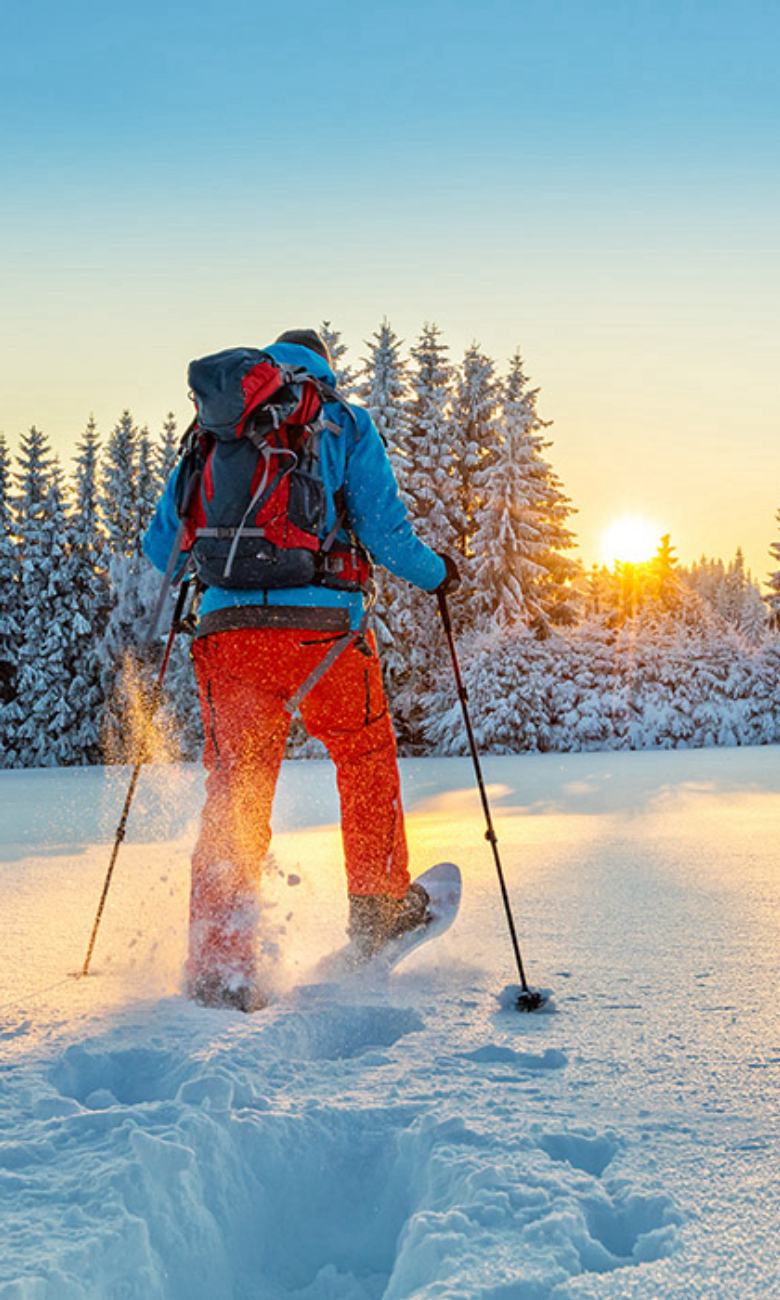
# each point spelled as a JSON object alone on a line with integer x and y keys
{"x": 528, "y": 999}
{"x": 154, "y": 705}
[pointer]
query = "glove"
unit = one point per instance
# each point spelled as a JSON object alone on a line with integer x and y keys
{"x": 451, "y": 580}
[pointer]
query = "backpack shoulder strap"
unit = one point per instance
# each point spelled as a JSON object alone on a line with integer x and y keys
{"x": 329, "y": 393}
{"x": 187, "y": 485}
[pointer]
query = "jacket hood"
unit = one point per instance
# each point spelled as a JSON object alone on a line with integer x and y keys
{"x": 293, "y": 354}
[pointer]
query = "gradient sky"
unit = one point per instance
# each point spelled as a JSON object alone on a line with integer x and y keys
{"x": 596, "y": 182}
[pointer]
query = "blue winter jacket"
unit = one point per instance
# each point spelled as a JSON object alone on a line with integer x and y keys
{"x": 355, "y": 459}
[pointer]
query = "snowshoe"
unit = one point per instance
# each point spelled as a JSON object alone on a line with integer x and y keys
{"x": 377, "y": 919}
{"x": 381, "y": 936}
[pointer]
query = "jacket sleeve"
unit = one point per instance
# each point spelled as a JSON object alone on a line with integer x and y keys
{"x": 161, "y": 533}
{"x": 378, "y": 515}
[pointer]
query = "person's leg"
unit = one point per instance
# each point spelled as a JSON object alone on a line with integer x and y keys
{"x": 347, "y": 711}
{"x": 241, "y": 681}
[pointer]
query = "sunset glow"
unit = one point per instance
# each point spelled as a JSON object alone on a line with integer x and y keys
{"x": 630, "y": 540}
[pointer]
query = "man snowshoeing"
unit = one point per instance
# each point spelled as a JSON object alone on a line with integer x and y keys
{"x": 255, "y": 649}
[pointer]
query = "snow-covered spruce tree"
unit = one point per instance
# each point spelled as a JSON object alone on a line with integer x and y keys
{"x": 738, "y": 599}
{"x": 664, "y": 585}
{"x": 733, "y": 593}
{"x": 428, "y": 486}
{"x": 147, "y": 484}
{"x": 773, "y": 582}
{"x": 9, "y": 614}
{"x": 766, "y": 702}
{"x": 167, "y": 450}
{"x": 90, "y": 600}
{"x": 601, "y": 593}
{"x": 475, "y": 433}
{"x": 705, "y": 577}
{"x": 382, "y": 388}
{"x": 559, "y": 601}
{"x": 119, "y": 490}
{"x": 44, "y": 687}
{"x": 520, "y": 571}
{"x": 345, "y": 375}
{"x": 753, "y": 619}
{"x": 426, "y": 471}
{"x": 125, "y": 672}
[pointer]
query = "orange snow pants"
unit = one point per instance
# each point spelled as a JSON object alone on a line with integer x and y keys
{"x": 245, "y": 677}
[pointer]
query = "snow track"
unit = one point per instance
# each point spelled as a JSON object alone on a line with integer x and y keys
{"x": 302, "y": 1154}
{"x": 413, "y": 1142}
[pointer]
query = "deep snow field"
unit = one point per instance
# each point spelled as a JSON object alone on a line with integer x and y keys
{"x": 409, "y": 1141}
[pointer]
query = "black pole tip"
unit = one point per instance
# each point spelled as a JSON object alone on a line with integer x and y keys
{"x": 515, "y": 997}
{"x": 530, "y": 1000}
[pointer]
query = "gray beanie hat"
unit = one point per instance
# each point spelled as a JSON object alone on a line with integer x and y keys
{"x": 306, "y": 339}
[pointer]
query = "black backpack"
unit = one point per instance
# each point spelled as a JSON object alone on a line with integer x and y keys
{"x": 250, "y": 497}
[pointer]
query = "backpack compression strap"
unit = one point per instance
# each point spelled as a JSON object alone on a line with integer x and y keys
{"x": 264, "y": 491}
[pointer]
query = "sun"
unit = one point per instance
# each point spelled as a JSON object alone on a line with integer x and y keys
{"x": 630, "y": 540}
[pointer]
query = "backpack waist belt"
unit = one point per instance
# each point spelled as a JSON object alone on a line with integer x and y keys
{"x": 307, "y": 618}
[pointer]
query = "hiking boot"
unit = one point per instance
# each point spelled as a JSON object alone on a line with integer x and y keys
{"x": 211, "y": 990}
{"x": 376, "y": 919}
{"x": 371, "y": 921}
{"x": 413, "y": 910}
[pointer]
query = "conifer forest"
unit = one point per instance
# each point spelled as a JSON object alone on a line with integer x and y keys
{"x": 555, "y": 657}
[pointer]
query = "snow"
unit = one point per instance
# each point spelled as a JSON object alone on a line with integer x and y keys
{"x": 413, "y": 1140}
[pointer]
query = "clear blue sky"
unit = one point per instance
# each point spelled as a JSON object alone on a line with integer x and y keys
{"x": 596, "y": 182}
